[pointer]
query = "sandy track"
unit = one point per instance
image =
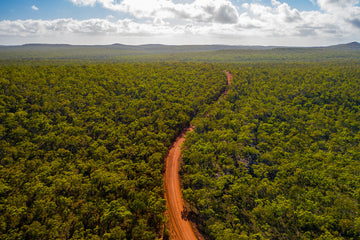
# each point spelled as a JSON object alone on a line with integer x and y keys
{"x": 229, "y": 78}
{"x": 180, "y": 229}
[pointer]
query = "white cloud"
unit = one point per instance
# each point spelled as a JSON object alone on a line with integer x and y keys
{"x": 84, "y": 2}
{"x": 346, "y": 13}
{"x": 282, "y": 21}
{"x": 336, "y": 5}
{"x": 33, "y": 7}
{"x": 277, "y": 20}
{"x": 202, "y": 21}
{"x": 275, "y": 2}
{"x": 71, "y": 26}
{"x": 222, "y": 11}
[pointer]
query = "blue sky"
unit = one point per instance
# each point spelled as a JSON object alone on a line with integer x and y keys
{"x": 22, "y": 9}
{"x": 236, "y": 22}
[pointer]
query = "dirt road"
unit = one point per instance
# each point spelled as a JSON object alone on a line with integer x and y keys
{"x": 180, "y": 229}
{"x": 229, "y": 78}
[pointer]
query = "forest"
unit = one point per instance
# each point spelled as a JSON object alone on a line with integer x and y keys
{"x": 279, "y": 157}
{"x": 82, "y": 146}
{"x": 83, "y": 143}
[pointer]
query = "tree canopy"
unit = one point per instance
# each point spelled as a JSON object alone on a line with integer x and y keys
{"x": 82, "y": 145}
{"x": 279, "y": 157}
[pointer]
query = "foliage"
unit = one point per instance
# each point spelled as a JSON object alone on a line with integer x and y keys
{"x": 82, "y": 146}
{"x": 279, "y": 157}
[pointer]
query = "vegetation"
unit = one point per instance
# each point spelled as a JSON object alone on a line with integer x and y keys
{"x": 82, "y": 146}
{"x": 279, "y": 157}
{"x": 83, "y": 139}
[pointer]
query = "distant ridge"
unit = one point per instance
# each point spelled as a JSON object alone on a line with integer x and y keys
{"x": 353, "y": 46}
{"x": 163, "y": 48}
{"x": 150, "y": 48}
{"x": 45, "y": 45}
{"x": 151, "y": 52}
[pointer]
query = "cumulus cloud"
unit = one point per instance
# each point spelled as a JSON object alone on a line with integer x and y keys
{"x": 222, "y": 11}
{"x": 250, "y": 23}
{"x": 336, "y": 5}
{"x": 345, "y": 12}
{"x": 275, "y": 2}
{"x": 84, "y": 2}
{"x": 278, "y": 19}
{"x": 355, "y": 22}
{"x": 69, "y": 25}
{"x": 341, "y": 8}
{"x": 33, "y": 7}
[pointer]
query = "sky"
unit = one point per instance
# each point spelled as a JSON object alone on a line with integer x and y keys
{"x": 180, "y": 22}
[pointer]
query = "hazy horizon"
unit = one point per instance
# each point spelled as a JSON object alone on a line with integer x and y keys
{"x": 171, "y": 45}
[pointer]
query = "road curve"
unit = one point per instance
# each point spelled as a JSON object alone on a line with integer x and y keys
{"x": 180, "y": 229}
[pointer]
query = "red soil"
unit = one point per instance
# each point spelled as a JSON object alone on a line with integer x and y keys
{"x": 179, "y": 227}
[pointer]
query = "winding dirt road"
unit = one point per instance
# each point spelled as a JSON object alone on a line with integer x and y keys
{"x": 180, "y": 229}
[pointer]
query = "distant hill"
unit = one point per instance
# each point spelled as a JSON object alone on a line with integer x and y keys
{"x": 161, "y": 48}
{"x": 194, "y": 48}
{"x": 353, "y": 46}
{"x": 157, "y": 48}
{"x": 159, "y": 52}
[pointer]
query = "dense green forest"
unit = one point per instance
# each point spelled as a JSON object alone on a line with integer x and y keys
{"x": 82, "y": 145}
{"x": 279, "y": 157}
{"x": 83, "y": 140}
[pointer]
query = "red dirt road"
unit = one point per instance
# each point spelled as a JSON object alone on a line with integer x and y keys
{"x": 229, "y": 78}
{"x": 180, "y": 229}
